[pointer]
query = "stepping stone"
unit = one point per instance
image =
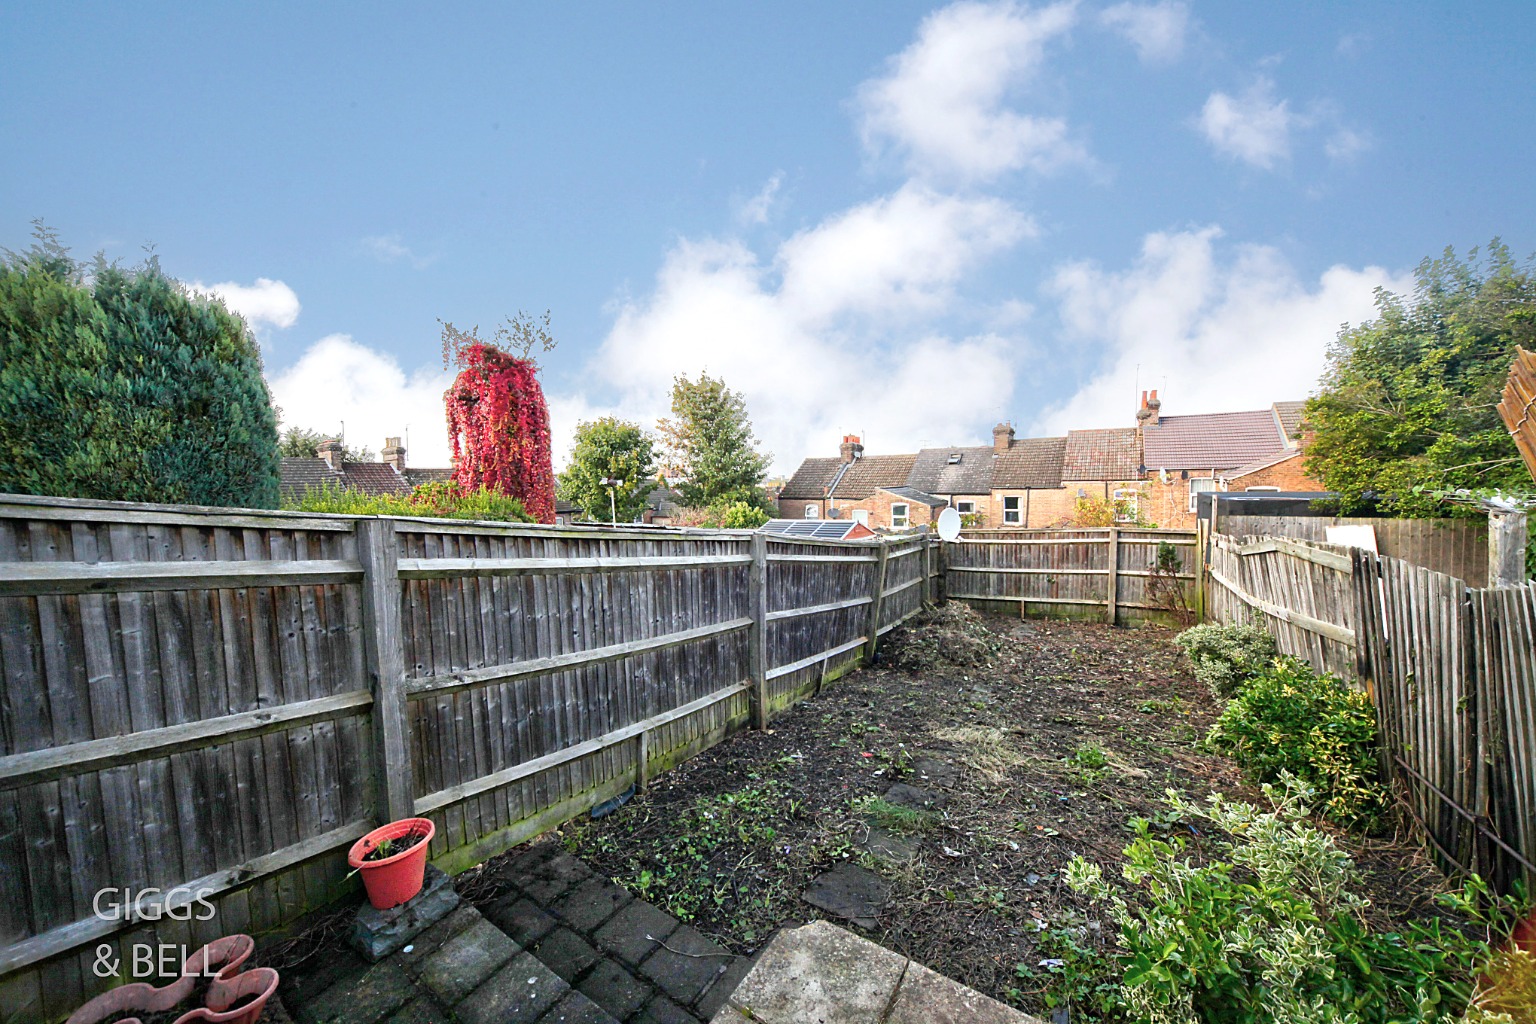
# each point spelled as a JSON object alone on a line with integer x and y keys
{"x": 686, "y": 965}
{"x": 888, "y": 846}
{"x": 936, "y": 773}
{"x": 615, "y": 989}
{"x": 903, "y": 795}
{"x": 519, "y": 993}
{"x": 848, "y": 891}
{"x": 466, "y": 960}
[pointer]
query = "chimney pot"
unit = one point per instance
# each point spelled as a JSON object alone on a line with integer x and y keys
{"x": 1002, "y": 437}
{"x": 394, "y": 454}
{"x": 851, "y": 448}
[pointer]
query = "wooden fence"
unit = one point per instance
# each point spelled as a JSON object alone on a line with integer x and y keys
{"x": 1099, "y": 574}
{"x": 1455, "y": 547}
{"x": 1452, "y": 671}
{"x": 207, "y": 702}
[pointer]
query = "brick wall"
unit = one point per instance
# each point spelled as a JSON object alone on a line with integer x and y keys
{"x": 1290, "y": 475}
{"x": 794, "y": 508}
{"x": 878, "y": 505}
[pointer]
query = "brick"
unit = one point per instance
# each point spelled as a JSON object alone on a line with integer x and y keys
{"x": 521, "y": 918}
{"x": 380, "y": 991}
{"x": 433, "y": 939}
{"x": 687, "y": 965}
{"x": 466, "y": 960}
{"x": 566, "y": 953}
{"x": 575, "y": 1008}
{"x": 615, "y": 989}
{"x": 519, "y": 993}
{"x": 421, "y": 1010}
{"x": 715, "y": 996}
{"x": 633, "y": 933}
{"x": 553, "y": 878}
{"x": 662, "y": 1010}
{"x": 338, "y": 967}
{"x": 591, "y": 903}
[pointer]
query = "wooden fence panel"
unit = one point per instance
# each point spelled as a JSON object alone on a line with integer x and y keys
{"x": 1454, "y": 547}
{"x": 228, "y": 699}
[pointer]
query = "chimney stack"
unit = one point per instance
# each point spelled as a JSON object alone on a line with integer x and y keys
{"x": 1002, "y": 437}
{"x": 851, "y": 448}
{"x": 1147, "y": 415}
{"x": 394, "y": 454}
{"x": 330, "y": 451}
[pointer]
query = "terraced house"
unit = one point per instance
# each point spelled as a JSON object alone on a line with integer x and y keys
{"x": 1156, "y": 469}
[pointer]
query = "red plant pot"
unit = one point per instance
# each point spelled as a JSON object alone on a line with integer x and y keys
{"x": 219, "y": 961}
{"x": 394, "y": 879}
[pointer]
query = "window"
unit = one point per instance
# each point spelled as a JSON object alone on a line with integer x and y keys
{"x": 1011, "y": 511}
{"x": 861, "y": 516}
{"x": 812, "y": 512}
{"x": 965, "y": 508}
{"x": 1127, "y": 504}
{"x": 1196, "y": 487}
{"x": 899, "y": 517}
{"x": 1262, "y": 487}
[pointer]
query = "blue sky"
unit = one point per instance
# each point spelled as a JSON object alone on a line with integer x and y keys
{"x": 907, "y": 220}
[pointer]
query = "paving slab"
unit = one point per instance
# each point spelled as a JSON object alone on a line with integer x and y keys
{"x": 590, "y": 903}
{"x": 566, "y": 953}
{"x": 520, "y": 993}
{"x": 850, "y": 892}
{"x": 686, "y": 965}
{"x": 903, "y": 795}
{"x": 634, "y": 932}
{"x": 375, "y": 994}
{"x": 819, "y": 972}
{"x": 933, "y": 772}
{"x": 888, "y": 846}
{"x": 720, "y": 990}
{"x": 613, "y": 988}
{"x": 927, "y": 997}
{"x": 466, "y": 960}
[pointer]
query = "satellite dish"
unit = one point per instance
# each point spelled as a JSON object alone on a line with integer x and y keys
{"x": 949, "y": 525}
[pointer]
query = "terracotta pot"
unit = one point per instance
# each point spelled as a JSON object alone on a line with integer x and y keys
{"x": 220, "y": 960}
{"x": 394, "y": 879}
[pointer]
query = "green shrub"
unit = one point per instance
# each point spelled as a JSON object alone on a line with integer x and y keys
{"x": 1289, "y": 719}
{"x": 1225, "y": 657}
{"x": 440, "y": 499}
{"x": 121, "y": 385}
{"x": 1272, "y": 927}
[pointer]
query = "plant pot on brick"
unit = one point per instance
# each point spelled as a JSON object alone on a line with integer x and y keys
{"x": 393, "y": 860}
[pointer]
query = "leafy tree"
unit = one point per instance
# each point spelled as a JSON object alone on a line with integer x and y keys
{"x": 300, "y": 443}
{"x": 1409, "y": 399}
{"x": 120, "y": 384}
{"x": 709, "y": 438}
{"x": 610, "y": 448}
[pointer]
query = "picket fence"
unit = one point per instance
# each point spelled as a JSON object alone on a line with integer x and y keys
{"x": 218, "y": 702}
{"x": 1451, "y": 669}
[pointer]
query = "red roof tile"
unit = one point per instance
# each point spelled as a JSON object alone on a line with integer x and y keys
{"x": 1222, "y": 440}
{"x": 1102, "y": 455}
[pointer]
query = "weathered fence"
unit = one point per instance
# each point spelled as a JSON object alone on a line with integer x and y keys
{"x": 200, "y": 701}
{"x": 1451, "y": 669}
{"x": 1099, "y": 574}
{"x": 1455, "y": 547}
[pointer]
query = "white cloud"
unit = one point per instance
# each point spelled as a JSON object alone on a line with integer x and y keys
{"x": 1156, "y": 30}
{"x": 757, "y": 209}
{"x": 838, "y": 339}
{"x": 337, "y": 379}
{"x": 942, "y": 104}
{"x": 265, "y": 303}
{"x": 1345, "y": 144}
{"x": 1254, "y": 127}
{"x": 1229, "y": 330}
{"x": 391, "y": 248}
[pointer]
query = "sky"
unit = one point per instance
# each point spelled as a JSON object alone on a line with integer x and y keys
{"x": 907, "y": 221}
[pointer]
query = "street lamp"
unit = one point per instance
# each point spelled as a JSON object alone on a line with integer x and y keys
{"x": 613, "y": 507}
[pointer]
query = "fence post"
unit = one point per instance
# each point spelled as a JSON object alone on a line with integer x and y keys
{"x": 384, "y": 663}
{"x": 1507, "y": 535}
{"x": 1113, "y": 603}
{"x": 1200, "y": 542}
{"x": 876, "y": 607}
{"x": 757, "y": 640}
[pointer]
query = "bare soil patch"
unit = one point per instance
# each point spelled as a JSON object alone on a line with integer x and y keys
{"x": 1042, "y": 738}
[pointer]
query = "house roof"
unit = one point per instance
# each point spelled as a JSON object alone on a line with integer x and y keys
{"x": 1289, "y": 415}
{"x": 1113, "y": 454}
{"x": 811, "y": 479}
{"x": 1030, "y": 462}
{"x": 1264, "y": 463}
{"x": 297, "y": 475}
{"x": 913, "y": 494}
{"x": 936, "y": 473}
{"x": 1222, "y": 440}
{"x": 872, "y": 472}
{"x": 416, "y": 477}
{"x": 664, "y": 500}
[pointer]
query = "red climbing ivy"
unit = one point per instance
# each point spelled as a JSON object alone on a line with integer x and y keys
{"x": 498, "y": 427}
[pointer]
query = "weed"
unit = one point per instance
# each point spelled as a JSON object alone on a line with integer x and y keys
{"x": 986, "y": 750}
{"x": 894, "y": 817}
